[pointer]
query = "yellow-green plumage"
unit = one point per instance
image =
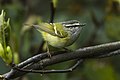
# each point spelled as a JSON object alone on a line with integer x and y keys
{"x": 60, "y": 35}
{"x": 54, "y": 40}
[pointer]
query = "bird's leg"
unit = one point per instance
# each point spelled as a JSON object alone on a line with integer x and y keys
{"x": 48, "y": 50}
{"x": 53, "y": 71}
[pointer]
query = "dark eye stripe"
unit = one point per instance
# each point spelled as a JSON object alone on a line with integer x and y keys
{"x": 72, "y": 23}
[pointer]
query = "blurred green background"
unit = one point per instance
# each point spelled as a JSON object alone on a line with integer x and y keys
{"x": 102, "y": 18}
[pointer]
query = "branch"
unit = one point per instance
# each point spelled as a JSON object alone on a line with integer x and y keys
{"x": 99, "y": 51}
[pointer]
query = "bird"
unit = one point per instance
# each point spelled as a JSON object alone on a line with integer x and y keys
{"x": 60, "y": 34}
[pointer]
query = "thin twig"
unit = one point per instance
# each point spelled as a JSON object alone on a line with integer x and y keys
{"x": 52, "y": 7}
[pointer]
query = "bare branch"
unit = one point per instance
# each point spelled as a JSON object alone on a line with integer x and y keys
{"x": 99, "y": 51}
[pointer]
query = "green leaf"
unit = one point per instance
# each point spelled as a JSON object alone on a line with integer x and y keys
{"x": 16, "y": 58}
{"x": 9, "y": 56}
{"x": 1, "y": 50}
{"x": 2, "y": 17}
{"x": 55, "y": 3}
{"x": 5, "y": 50}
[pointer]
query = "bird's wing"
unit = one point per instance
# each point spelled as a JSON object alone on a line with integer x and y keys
{"x": 48, "y": 28}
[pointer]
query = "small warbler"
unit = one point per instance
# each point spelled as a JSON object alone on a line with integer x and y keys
{"x": 61, "y": 34}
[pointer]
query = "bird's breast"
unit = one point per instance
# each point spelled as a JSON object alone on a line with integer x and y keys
{"x": 55, "y": 41}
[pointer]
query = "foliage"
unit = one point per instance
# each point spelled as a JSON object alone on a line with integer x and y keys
{"x": 6, "y": 52}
